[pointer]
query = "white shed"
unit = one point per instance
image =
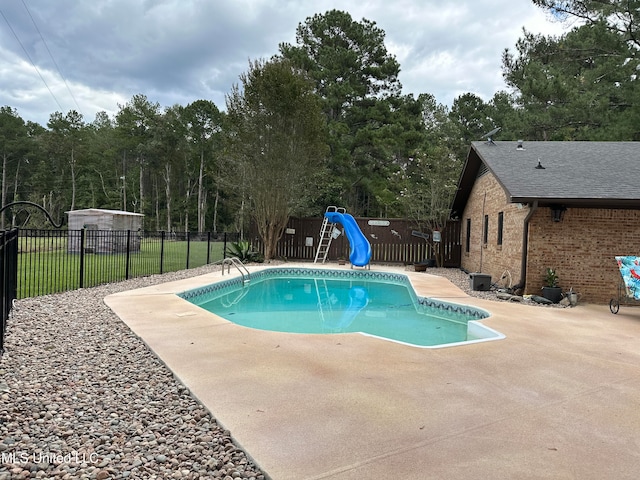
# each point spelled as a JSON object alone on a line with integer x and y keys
{"x": 106, "y": 231}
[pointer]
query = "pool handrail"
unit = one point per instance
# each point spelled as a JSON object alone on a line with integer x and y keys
{"x": 236, "y": 262}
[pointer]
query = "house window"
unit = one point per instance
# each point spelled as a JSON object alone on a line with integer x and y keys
{"x": 500, "y": 226}
{"x": 485, "y": 230}
{"x": 467, "y": 244}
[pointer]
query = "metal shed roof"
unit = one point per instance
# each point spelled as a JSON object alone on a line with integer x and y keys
{"x": 93, "y": 211}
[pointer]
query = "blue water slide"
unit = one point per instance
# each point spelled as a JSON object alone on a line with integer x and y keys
{"x": 358, "y": 299}
{"x": 360, "y": 246}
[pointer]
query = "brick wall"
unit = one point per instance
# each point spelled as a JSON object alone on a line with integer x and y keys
{"x": 581, "y": 247}
{"x": 488, "y": 198}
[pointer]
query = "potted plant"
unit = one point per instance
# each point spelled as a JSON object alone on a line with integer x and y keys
{"x": 420, "y": 267}
{"x": 551, "y": 290}
{"x": 424, "y": 264}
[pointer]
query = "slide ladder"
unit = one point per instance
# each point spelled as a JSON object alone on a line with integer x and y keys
{"x": 326, "y": 235}
{"x": 324, "y": 299}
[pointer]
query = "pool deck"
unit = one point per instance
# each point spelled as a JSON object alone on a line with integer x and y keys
{"x": 558, "y": 398}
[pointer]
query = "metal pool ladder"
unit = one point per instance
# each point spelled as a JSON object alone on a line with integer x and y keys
{"x": 236, "y": 262}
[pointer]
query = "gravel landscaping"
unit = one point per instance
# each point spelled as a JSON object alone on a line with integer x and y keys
{"x": 82, "y": 397}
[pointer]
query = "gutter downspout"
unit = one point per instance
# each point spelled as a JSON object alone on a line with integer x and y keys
{"x": 525, "y": 247}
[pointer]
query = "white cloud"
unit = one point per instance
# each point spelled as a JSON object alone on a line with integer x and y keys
{"x": 179, "y": 51}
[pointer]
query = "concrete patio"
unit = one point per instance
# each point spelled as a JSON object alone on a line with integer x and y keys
{"x": 559, "y": 398}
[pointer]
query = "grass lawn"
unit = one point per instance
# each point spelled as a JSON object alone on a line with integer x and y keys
{"x": 45, "y": 266}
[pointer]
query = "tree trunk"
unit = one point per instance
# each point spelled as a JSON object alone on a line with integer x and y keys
{"x": 242, "y": 218}
{"x": 204, "y": 209}
{"x": 269, "y": 244}
{"x": 4, "y": 186}
{"x": 215, "y": 210}
{"x": 167, "y": 191}
{"x": 73, "y": 180}
{"x": 201, "y": 209}
{"x": 124, "y": 180}
{"x": 157, "y": 202}
{"x": 15, "y": 196}
{"x": 141, "y": 185}
{"x": 270, "y": 230}
{"x": 187, "y": 199}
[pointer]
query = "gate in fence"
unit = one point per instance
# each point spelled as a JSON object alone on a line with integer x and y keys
{"x": 8, "y": 277}
{"x": 9, "y": 265}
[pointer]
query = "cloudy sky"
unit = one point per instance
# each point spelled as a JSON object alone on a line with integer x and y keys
{"x": 95, "y": 55}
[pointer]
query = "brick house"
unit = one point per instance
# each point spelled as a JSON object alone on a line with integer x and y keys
{"x": 572, "y": 206}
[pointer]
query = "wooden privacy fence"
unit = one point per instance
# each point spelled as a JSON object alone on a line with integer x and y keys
{"x": 391, "y": 241}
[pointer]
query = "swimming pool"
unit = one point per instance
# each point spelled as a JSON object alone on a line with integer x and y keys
{"x": 322, "y": 301}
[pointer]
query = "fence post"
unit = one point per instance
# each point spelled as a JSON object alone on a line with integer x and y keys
{"x": 188, "y": 248}
{"x": 224, "y": 246}
{"x": 161, "y": 252}
{"x": 6, "y": 301}
{"x": 208, "y": 248}
{"x": 126, "y": 269}
{"x": 82, "y": 240}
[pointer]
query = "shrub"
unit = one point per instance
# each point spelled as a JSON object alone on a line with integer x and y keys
{"x": 245, "y": 252}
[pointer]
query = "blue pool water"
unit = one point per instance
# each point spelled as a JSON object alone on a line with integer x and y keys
{"x": 338, "y": 301}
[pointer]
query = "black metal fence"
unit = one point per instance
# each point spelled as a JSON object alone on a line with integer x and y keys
{"x": 40, "y": 262}
{"x": 8, "y": 277}
{"x": 51, "y": 261}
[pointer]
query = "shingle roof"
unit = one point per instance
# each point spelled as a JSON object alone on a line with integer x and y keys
{"x": 594, "y": 174}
